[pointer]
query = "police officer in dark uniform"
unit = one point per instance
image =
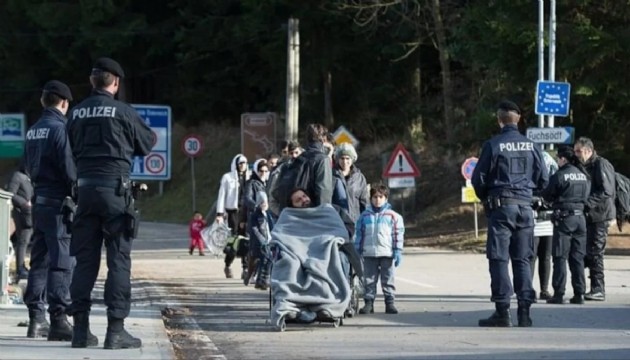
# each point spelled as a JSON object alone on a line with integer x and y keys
{"x": 105, "y": 135}
{"x": 568, "y": 192}
{"x": 510, "y": 167}
{"x": 48, "y": 160}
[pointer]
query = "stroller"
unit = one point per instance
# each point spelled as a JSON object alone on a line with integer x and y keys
{"x": 309, "y": 281}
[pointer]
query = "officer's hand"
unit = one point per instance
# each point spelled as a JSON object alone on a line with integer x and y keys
{"x": 537, "y": 203}
{"x": 219, "y": 219}
{"x": 241, "y": 225}
{"x": 29, "y": 204}
{"x": 397, "y": 257}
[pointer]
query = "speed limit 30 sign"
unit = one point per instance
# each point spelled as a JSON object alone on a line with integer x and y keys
{"x": 192, "y": 145}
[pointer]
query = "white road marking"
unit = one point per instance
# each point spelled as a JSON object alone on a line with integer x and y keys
{"x": 415, "y": 283}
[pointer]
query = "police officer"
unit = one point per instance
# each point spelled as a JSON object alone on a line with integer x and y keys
{"x": 510, "y": 167}
{"x": 48, "y": 159}
{"x": 600, "y": 211}
{"x": 105, "y": 135}
{"x": 568, "y": 192}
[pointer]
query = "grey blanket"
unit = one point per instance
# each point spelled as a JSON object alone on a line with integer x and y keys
{"x": 307, "y": 275}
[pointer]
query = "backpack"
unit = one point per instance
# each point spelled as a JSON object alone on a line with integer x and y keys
{"x": 287, "y": 176}
{"x": 622, "y": 199}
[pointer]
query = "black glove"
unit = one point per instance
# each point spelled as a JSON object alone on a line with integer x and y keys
{"x": 537, "y": 203}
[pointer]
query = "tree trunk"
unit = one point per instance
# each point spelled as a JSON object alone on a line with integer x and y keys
{"x": 447, "y": 87}
{"x": 329, "y": 119}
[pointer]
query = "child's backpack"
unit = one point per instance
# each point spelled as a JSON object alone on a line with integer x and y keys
{"x": 622, "y": 199}
{"x": 286, "y": 177}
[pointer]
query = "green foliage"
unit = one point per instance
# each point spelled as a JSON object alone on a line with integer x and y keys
{"x": 213, "y": 60}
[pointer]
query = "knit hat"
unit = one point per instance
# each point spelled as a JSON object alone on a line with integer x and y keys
{"x": 261, "y": 197}
{"x": 346, "y": 149}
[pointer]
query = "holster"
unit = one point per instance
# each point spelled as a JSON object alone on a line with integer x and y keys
{"x": 132, "y": 220}
{"x": 493, "y": 202}
{"x": 68, "y": 211}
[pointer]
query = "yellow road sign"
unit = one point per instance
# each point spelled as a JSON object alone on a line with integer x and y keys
{"x": 468, "y": 195}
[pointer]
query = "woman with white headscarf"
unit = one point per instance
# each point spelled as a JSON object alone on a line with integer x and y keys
{"x": 350, "y": 186}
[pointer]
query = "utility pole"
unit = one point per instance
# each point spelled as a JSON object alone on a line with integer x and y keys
{"x": 293, "y": 80}
{"x": 541, "y": 51}
{"x": 552, "y": 53}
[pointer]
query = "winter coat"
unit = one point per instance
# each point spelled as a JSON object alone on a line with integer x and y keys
{"x": 22, "y": 188}
{"x": 351, "y": 192}
{"x": 254, "y": 185}
{"x": 601, "y": 201}
{"x": 379, "y": 233}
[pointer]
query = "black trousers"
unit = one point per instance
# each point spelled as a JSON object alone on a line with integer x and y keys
{"x": 20, "y": 239}
{"x": 51, "y": 264}
{"x": 101, "y": 217}
{"x": 596, "y": 235}
{"x": 569, "y": 242}
{"x": 233, "y": 219}
{"x": 542, "y": 253}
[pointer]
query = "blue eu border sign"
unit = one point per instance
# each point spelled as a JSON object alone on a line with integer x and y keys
{"x": 552, "y": 98}
{"x": 156, "y": 165}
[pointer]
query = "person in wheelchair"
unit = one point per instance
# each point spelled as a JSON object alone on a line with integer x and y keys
{"x": 314, "y": 257}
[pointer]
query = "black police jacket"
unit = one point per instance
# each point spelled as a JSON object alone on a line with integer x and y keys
{"x": 601, "y": 201}
{"x": 510, "y": 166}
{"x": 105, "y": 135}
{"x": 568, "y": 189}
{"x": 47, "y": 156}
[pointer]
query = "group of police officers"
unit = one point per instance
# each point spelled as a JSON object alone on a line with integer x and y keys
{"x": 581, "y": 194}
{"x": 85, "y": 157}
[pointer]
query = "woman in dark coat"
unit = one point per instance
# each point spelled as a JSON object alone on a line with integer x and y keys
{"x": 350, "y": 186}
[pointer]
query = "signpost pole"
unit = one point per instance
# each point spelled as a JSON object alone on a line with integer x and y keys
{"x": 194, "y": 189}
{"x": 476, "y": 222}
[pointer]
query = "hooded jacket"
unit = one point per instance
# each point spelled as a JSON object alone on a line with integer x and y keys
{"x": 379, "y": 233}
{"x": 254, "y": 185}
{"x": 228, "y": 197}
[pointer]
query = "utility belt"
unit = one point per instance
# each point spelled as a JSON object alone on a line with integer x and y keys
{"x": 44, "y": 201}
{"x": 123, "y": 187}
{"x": 495, "y": 202}
{"x": 559, "y": 214}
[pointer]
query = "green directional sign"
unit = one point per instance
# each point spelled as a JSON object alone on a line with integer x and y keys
{"x": 12, "y": 130}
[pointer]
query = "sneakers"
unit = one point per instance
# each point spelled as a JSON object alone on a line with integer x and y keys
{"x": 595, "y": 296}
{"x": 228, "y": 273}
{"x": 577, "y": 299}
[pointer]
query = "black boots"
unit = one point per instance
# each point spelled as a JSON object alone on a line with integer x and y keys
{"x": 81, "y": 335}
{"x": 390, "y": 308}
{"x": 523, "y": 314}
{"x": 556, "y": 299}
{"x": 577, "y": 299}
{"x": 368, "y": 308}
{"x": 118, "y": 338}
{"x": 60, "y": 328}
{"x": 38, "y": 327}
{"x": 500, "y": 318}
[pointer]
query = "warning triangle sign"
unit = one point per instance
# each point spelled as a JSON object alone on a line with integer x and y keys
{"x": 401, "y": 164}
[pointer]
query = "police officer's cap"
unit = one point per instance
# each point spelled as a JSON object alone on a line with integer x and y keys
{"x": 109, "y": 65}
{"x": 566, "y": 152}
{"x": 58, "y": 88}
{"x": 507, "y": 105}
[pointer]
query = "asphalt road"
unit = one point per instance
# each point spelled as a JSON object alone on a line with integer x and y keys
{"x": 440, "y": 296}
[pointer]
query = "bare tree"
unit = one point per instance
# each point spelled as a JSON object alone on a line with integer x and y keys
{"x": 425, "y": 18}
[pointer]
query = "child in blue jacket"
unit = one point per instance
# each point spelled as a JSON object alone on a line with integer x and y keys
{"x": 378, "y": 238}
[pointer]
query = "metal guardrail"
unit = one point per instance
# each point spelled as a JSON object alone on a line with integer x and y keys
{"x": 5, "y": 255}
